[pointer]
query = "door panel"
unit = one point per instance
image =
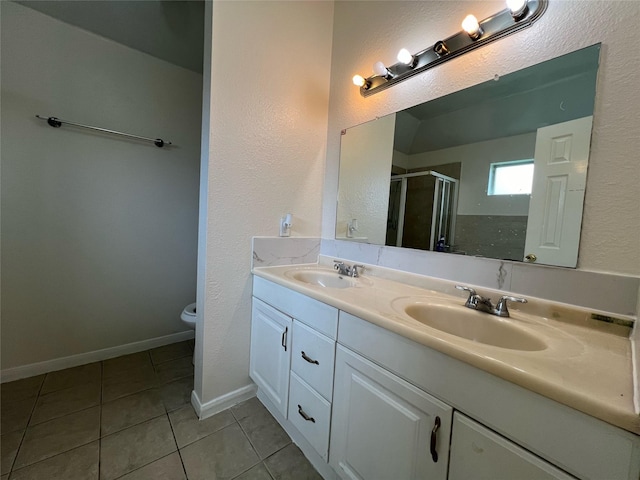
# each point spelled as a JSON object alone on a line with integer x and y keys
{"x": 555, "y": 209}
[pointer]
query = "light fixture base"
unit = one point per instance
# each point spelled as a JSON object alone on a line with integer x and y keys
{"x": 493, "y": 28}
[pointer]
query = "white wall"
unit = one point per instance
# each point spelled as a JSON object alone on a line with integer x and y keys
{"x": 476, "y": 160}
{"x": 269, "y": 92}
{"x": 364, "y": 173}
{"x": 611, "y": 226}
{"x": 98, "y": 232}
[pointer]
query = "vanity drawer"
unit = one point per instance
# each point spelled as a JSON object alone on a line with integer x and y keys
{"x": 313, "y": 358}
{"x": 318, "y": 315}
{"x": 310, "y": 414}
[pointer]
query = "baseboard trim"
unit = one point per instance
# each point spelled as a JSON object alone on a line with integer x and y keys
{"x": 47, "y": 366}
{"x": 218, "y": 404}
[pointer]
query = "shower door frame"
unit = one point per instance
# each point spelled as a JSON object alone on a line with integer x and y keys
{"x": 438, "y": 207}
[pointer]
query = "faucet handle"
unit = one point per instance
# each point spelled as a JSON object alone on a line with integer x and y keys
{"x": 501, "y": 309}
{"x": 472, "y": 300}
{"x": 354, "y": 270}
{"x": 466, "y": 289}
{"x": 342, "y": 268}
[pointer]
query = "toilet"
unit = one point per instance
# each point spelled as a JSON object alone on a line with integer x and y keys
{"x": 188, "y": 316}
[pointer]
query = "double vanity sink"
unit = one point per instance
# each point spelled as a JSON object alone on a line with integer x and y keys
{"x": 444, "y": 314}
{"x": 555, "y": 350}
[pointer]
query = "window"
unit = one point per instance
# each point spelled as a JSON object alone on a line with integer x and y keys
{"x": 511, "y": 178}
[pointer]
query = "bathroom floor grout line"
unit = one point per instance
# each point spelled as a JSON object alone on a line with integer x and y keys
{"x": 235, "y": 417}
{"x": 53, "y": 456}
{"x": 24, "y": 431}
{"x": 175, "y": 440}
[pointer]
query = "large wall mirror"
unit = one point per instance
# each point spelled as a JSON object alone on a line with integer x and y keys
{"x": 497, "y": 170}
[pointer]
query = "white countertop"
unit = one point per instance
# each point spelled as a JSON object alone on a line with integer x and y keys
{"x": 587, "y": 364}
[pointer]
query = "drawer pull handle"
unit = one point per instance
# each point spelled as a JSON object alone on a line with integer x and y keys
{"x": 308, "y": 359}
{"x": 284, "y": 338}
{"x": 305, "y": 416}
{"x": 434, "y": 432}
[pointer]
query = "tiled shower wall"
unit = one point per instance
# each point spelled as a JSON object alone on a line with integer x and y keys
{"x": 492, "y": 236}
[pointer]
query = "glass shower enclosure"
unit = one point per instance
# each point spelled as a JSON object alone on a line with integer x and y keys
{"x": 422, "y": 210}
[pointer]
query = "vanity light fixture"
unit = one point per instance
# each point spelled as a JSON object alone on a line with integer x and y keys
{"x": 472, "y": 27}
{"x": 441, "y": 48}
{"x": 381, "y": 71}
{"x": 359, "y": 81}
{"x": 518, "y": 7}
{"x": 404, "y": 56}
{"x": 519, "y": 14}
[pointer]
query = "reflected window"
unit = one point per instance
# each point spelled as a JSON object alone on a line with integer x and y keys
{"x": 511, "y": 178}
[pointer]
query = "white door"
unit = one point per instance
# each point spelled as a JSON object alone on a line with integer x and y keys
{"x": 383, "y": 427}
{"x": 478, "y": 453}
{"x": 270, "y": 355}
{"x": 559, "y": 178}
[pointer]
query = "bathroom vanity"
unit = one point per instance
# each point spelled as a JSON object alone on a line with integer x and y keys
{"x": 366, "y": 381}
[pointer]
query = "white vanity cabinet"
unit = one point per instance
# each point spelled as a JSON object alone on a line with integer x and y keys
{"x": 270, "y": 352}
{"x": 305, "y": 403}
{"x": 479, "y": 453}
{"x": 384, "y": 427}
{"x": 533, "y": 435}
{"x": 365, "y": 403}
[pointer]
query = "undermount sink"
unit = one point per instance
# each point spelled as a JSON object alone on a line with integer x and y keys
{"x": 473, "y": 325}
{"x": 323, "y": 279}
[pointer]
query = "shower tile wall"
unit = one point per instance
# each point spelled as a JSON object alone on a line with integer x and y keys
{"x": 491, "y": 236}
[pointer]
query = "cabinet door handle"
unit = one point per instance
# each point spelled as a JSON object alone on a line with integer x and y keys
{"x": 308, "y": 359}
{"x": 284, "y": 338}
{"x": 434, "y": 438}
{"x": 304, "y": 415}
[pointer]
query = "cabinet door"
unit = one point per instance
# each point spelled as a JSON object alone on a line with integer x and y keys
{"x": 270, "y": 355}
{"x": 383, "y": 427}
{"x": 479, "y": 453}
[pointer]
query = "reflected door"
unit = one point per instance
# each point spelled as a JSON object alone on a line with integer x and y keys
{"x": 559, "y": 178}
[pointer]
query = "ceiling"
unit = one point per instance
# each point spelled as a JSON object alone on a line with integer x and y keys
{"x": 170, "y": 30}
{"x": 550, "y": 92}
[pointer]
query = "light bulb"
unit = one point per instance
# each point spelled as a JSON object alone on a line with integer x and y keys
{"x": 380, "y": 70}
{"x": 404, "y": 56}
{"x": 358, "y": 81}
{"x": 517, "y": 7}
{"x": 471, "y": 26}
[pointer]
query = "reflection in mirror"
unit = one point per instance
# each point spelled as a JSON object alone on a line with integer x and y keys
{"x": 496, "y": 170}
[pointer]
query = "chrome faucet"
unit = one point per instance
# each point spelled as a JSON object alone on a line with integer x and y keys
{"x": 501, "y": 309}
{"x": 349, "y": 271}
{"x": 483, "y": 304}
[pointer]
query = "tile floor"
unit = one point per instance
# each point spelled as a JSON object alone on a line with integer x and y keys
{"x": 130, "y": 418}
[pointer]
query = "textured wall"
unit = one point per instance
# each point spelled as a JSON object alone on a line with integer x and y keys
{"x": 476, "y": 159}
{"x": 269, "y": 89}
{"x": 611, "y": 226}
{"x": 98, "y": 231}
